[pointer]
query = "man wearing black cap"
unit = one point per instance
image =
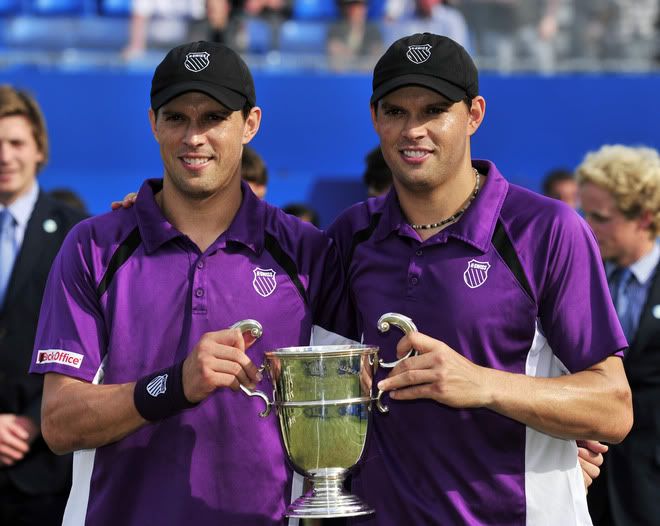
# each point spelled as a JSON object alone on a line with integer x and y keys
{"x": 141, "y": 373}
{"x": 519, "y": 348}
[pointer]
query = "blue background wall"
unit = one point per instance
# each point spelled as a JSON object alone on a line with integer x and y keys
{"x": 316, "y": 129}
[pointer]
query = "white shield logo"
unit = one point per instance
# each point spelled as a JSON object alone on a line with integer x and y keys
{"x": 157, "y": 386}
{"x": 264, "y": 281}
{"x": 196, "y": 62}
{"x": 476, "y": 273}
{"x": 419, "y": 54}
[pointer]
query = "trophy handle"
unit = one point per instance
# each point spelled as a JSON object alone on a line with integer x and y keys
{"x": 256, "y": 330}
{"x": 406, "y": 325}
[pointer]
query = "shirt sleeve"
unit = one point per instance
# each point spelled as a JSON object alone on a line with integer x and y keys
{"x": 71, "y": 335}
{"x": 575, "y": 307}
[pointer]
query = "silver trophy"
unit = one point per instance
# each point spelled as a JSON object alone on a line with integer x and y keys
{"x": 323, "y": 396}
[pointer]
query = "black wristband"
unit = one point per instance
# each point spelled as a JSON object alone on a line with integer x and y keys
{"x": 159, "y": 395}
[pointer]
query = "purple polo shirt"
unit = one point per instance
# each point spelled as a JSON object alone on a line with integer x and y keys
{"x": 428, "y": 463}
{"x": 219, "y": 462}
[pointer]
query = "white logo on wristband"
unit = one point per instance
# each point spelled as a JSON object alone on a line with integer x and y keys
{"x": 158, "y": 385}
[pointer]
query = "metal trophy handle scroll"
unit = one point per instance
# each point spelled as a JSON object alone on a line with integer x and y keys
{"x": 323, "y": 397}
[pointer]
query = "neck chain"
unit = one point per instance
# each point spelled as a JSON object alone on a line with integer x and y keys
{"x": 458, "y": 214}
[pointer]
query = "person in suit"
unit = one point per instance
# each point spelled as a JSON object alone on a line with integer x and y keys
{"x": 34, "y": 481}
{"x": 620, "y": 193}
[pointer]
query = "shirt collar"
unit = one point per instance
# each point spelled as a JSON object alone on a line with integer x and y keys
{"x": 246, "y": 228}
{"x": 21, "y": 209}
{"x": 475, "y": 226}
{"x": 643, "y": 268}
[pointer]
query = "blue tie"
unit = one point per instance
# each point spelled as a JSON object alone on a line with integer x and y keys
{"x": 7, "y": 251}
{"x": 621, "y": 296}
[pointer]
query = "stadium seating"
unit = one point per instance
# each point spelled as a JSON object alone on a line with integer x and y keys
{"x": 115, "y": 7}
{"x": 56, "y": 7}
{"x": 303, "y": 37}
{"x": 9, "y": 7}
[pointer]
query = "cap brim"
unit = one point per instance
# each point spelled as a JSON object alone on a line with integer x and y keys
{"x": 229, "y": 98}
{"x": 445, "y": 88}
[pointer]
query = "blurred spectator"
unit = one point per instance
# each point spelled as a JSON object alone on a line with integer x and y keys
{"x": 352, "y": 40}
{"x": 591, "y": 30}
{"x": 34, "y": 482}
{"x": 160, "y": 23}
{"x": 377, "y": 175}
{"x": 560, "y": 184}
{"x": 304, "y": 212}
{"x": 69, "y": 197}
{"x": 254, "y": 171}
{"x": 405, "y": 17}
{"x": 620, "y": 194}
{"x": 507, "y": 30}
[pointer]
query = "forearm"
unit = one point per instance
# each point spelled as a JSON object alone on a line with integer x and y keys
{"x": 592, "y": 404}
{"x": 79, "y": 415}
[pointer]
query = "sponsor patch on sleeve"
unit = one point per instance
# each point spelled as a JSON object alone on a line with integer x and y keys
{"x": 69, "y": 358}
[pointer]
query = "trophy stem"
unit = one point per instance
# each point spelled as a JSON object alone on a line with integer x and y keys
{"x": 327, "y": 498}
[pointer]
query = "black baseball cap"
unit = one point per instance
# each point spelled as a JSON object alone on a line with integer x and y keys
{"x": 432, "y": 61}
{"x": 209, "y": 67}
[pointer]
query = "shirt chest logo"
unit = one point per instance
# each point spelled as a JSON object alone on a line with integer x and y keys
{"x": 264, "y": 281}
{"x": 476, "y": 273}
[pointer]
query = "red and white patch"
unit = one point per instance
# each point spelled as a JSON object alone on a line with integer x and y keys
{"x": 69, "y": 358}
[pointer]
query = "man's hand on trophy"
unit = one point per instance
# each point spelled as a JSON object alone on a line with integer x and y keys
{"x": 438, "y": 372}
{"x": 217, "y": 361}
{"x": 127, "y": 202}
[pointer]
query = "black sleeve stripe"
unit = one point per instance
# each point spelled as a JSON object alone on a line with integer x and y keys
{"x": 121, "y": 255}
{"x": 284, "y": 261}
{"x": 361, "y": 236}
{"x": 504, "y": 247}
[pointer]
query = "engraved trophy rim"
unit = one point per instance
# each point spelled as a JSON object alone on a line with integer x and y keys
{"x": 316, "y": 351}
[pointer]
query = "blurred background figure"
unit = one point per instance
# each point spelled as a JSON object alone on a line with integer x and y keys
{"x": 377, "y": 176}
{"x": 353, "y": 41}
{"x": 561, "y": 184}
{"x": 508, "y": 31}
{"x": 160, "y": 24}
{"x": 69, "y": 197}
{"x": 304, "y": 212}
{"x": 34, "y": 482}
{"x": 254, "y": 171}
{"x": 620, "y": 194}
{"x": 405, "y": 17}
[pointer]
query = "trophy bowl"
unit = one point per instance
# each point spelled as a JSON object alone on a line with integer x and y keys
{"x": 323, "y": 397}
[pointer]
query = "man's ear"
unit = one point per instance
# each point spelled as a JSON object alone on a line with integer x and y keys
{"x": 477, "y": 112}
{"x": 152, "y": 121}
{"x": 252, "y": 124}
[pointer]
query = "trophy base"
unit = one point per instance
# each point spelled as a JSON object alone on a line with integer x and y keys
{"x": 327, "y": 498}
{"x": 312, "y": 506}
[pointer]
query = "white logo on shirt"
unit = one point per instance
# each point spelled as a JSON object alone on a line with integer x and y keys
{"x": 264, "y": 281}
{"x": 476, "y": 273}
{"x": 68, "y": 358}
{"x": 158, "y": 385}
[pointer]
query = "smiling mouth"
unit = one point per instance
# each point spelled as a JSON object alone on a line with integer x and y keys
{"x": 195, "y": 161}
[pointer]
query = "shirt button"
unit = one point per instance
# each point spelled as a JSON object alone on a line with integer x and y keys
{"x": 200, "y": 264}
{"x": 199, "y": 293}
{"x": 419, "y": 252}
{"x": 414, "y": 280}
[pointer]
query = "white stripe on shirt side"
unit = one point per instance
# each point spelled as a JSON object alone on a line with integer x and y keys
{"x": 554, "y": 488}
{"x": 83, "y": 465}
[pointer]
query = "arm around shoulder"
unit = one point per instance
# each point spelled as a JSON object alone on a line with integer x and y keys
{"x": 80, "y": 415}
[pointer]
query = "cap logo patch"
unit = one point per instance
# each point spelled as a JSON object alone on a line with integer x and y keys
{"x": 419, "y": 54}
{"x": 198, "y": 61}
{"x": 476, "y": 273}
{"x": 264, "y": 281}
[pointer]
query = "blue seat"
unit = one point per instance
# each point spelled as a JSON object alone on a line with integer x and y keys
{"x": 314, "y": 10}
{"x": 116, "y": 7}
{"x": 9, "y": 7}
{"x": 56, "y": 7}
{"x": 260, "y": 35}
{"x": 376, "y": 10}
{"x": 37, "y": 33}
{"x": 303, "y": 37}
{"x": 102, "y": 33}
